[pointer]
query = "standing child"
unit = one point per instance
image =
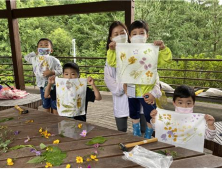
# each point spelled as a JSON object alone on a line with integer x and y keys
{"x": 44, "y": 66}
{"x": 138, "y": 33}
{"x": 71, "y": 71}
{"x": 118, "y": 33}
{"x": 183, "y": 101}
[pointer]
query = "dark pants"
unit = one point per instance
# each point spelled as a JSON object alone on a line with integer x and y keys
{"x": 134, "y": 108}
{"x": 81, "y": 118}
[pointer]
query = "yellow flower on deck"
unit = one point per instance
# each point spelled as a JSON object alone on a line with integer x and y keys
{"x": 132, "y": 60}
{"x": 10, "y": 162}
{"x": 79, "y": 125}
{"x": 88, "y": 159}
{"x": 68, "y": 166}
{"x": 79, "y": 159}
{"x": 56, "y": 141}
{"x": 49, "y": 149}
{"x": 48, "y": 165}
{"x": 40, "y": 130}
{"x": 93, "y": 157}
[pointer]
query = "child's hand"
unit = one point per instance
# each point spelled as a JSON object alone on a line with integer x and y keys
{"x": 153, "y": 114}
{"x": 47, "y": 73}
{"x": 112, "y": 45}
{"x": 159, "y": 43}
{"x": 125, "y": 88}
{"x": 90, "y": 81}
{"x": 150, "y": 99}
{"x": 210, "y": 121}
{"x": 51, "y": 80}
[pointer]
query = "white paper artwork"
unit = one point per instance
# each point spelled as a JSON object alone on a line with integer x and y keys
{"x": 71, "y": 96}
{"x": 181, "y": 129}
{"x": 136, "y": 63}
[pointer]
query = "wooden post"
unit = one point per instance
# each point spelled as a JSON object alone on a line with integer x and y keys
{"x": 129, "y": 12}
{"x": 15, "y": 45}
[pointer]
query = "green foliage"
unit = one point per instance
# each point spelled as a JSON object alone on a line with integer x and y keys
{"x": 6, "y": 119}
{"x": 95, "y": 140}
{"x": 5, "y": 139}
{"x": 21, "y": 146}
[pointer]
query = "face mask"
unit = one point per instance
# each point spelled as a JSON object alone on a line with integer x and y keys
{"x": 184, "y": 110}
{"x": 44, "y": 51}
{"x": 120, "y": 38}
{"x": 138, "y": 39}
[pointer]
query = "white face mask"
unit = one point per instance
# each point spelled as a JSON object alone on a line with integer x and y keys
{"x": 44, "y": 51}
{"x": 120, "y": 38}
{"x": 184, "y": 110}
{"x": 138, "y": 39}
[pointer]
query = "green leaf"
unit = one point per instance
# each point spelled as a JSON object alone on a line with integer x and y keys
{"x": 21, "y": 146}
{"x": 95, "y": 140}
{"x": 42, "y": 146}
{"x": 6, "y": 119}
{"x": 56, "y": 156}
{"x": 66, "y": 111}
{"x": 37, "y": 159}
{"x": 67, "y": 106}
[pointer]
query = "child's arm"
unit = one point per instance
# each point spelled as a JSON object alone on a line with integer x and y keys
{"x": 111, "y": 54}
{"x": 29, "y": 57}
{"x": 110, "y": 80}
{"x": 153, "y": 114}
{"x": 165, "y": 55}
{"x": 96, "y": 91}
{"x": 57, "y": 69}
{"x": 51, "y": 81}
{"x": 210, "y": 122}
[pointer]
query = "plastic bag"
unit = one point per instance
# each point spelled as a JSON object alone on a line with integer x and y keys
{"x": 148, "y": 159}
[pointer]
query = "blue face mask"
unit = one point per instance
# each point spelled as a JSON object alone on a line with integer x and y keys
{"x": 44, "y": 51}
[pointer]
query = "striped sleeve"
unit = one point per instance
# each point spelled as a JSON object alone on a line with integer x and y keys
{"x": 210, "y": 134}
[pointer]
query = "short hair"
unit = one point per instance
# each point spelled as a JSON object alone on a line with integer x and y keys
{"x": 138, "y": 24}
{"x": 45, "y": 39}
{"x": 112, "y": 26}
{"x": 184, "y": 91}
{"x": 73, "y": 66}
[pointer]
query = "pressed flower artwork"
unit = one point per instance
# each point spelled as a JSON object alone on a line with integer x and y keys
{"x": 136, "y": 63}
{"x": 71, "y": 94}
{"x": 183, "y": 130}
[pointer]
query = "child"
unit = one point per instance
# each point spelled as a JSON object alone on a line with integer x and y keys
{"x": 138, "y": 33}
{"x": 183, "y": 101}
{"x": 118, "y": 33}
{"x": 71, "y": 71}
{"x": 44, "y": 66}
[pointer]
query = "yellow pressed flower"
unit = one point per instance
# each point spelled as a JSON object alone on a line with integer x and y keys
{"x": 170, "y": 128}
{"x": 68, "y": 166}
{"x": 93, "y": 156}
{"x": 57, "y": 84}
{"x": 165, "y": 128}
{"x": 79, "y": 125}
{"x": 49, "y": 149}
{"x": 169, "y": 135}
{"x": 122, "y": 56}
{"x": 56, "y": 141}
{"x": 175, "y": 139}
{"x": 79, "y": 159}
{"x": 132, "y": 60}
{"x": 40, "y": 130}
{"x": 48, "y": 165}
{"x": 10, "y": 162}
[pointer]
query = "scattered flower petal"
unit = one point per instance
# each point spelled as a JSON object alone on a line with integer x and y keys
{"x": 96, "y": 145}
{"x": 48, "y": 165}
{"x": 96, "y": 152}
{"x": 68, "y": 166}
{"x": 38, "y": 153}
{"x": 29, "y": 121}
{"x": 28, "y": 139}
{"x": 56, "y": 141}
{"x": 16, "y": 132}
{"x": 144, "y": 58}
{"x": 88, "y": 166}
{"x": 83, "y": 134}
{"x": 40, "y": 130}
{"x": 80, "y": 126}
{"x": 10, "y": 162}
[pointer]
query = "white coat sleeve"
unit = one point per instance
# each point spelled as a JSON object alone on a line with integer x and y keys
{"x": 156, "y": 92}
{"x": 29, "y": 57}
{"x": 57, "y": 66}
{"x": 110, "y": 80}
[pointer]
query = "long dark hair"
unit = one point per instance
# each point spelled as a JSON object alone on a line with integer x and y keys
{"x": 112, "y": 26}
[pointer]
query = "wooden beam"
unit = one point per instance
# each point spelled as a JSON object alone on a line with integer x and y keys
{"x": 15, "y": 45}
{"x": 82, "y": 8}
{"x": 3, "y": 14}
{"x": 129, "y": 12}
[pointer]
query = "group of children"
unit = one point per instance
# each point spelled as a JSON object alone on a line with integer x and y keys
{"x": 46, "y": 67}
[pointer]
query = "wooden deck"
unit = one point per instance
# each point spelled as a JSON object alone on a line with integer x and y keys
{"x": 110, "y": 156}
